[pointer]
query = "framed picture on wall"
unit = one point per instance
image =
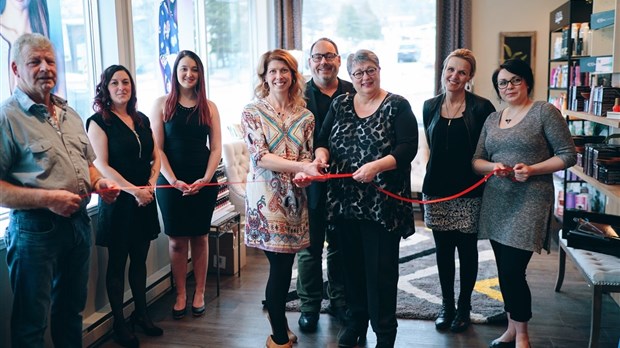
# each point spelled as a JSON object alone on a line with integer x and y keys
{"x": 518, "y": 45}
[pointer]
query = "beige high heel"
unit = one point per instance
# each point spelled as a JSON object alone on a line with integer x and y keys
{"x": 271, "y": 344}
{"x": 291, "y": 335}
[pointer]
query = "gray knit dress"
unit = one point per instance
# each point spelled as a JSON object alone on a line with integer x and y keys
{"x": 518, "y": 214}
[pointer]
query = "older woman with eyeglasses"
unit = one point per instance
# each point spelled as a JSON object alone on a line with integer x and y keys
{"x": 531, "y": 138}
{"x": 372, "y": 134}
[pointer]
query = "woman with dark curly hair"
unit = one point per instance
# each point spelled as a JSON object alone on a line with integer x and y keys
{"x": 123, "y": 142}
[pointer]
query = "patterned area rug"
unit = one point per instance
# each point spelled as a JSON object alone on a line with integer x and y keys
{"x": 419, "y": 293}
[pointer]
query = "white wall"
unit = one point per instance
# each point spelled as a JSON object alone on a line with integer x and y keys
{"x": 489, "y": 18}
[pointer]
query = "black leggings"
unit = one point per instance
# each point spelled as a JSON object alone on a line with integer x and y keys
{"x": 280, "y": 273}
{"x": 467, "y": 244}
{"x": 115, "y": 277}
{"x": 511, "y": 267}
{"x": 370, "y": 260}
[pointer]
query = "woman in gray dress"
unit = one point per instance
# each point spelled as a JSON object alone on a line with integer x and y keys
{"x": 531, "y": 138}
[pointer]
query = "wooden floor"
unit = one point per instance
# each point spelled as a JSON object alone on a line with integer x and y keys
{"x": 236, "y": 319}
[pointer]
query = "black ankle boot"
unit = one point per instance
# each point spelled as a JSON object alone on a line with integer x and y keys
{"x": 123, "y": 336}
{"x": 145, "y": 322}
{"x": 352, "y": 336}
{"x": 461, "y": 320}
{"x": 445, "y": 317}
{"x": 386, "y": 340}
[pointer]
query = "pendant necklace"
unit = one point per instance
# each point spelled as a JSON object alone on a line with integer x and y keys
{"x": 456, "y": 112}
{"x": 281, "y": 112}
{"x": 514, "y": 115}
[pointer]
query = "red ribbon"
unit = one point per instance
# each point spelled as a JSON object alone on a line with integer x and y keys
{"x": 508, "y": 172}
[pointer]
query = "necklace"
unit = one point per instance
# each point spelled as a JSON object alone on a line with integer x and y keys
{"x": 280, "y": 111}
{"x": 514, "y": 114}
{"x": 456, "y": 112}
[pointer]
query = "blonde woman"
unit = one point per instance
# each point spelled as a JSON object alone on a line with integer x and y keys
{"x": 452, "y": 123}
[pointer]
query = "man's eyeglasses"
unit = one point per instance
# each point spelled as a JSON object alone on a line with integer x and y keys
{"x": 360, "y": 73}
{"x": 317, "y": 57}
{"x": 515, "y": 81}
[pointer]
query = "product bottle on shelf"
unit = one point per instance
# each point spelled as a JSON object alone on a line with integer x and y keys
{"x": 574, "y": 38}
{"x": 582, "y": 200}
{"x": 570, "y": 200}
{"x": 616, "y": 107}
{"x": 584, "y": 43}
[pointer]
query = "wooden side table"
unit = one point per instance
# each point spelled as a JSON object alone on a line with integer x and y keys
{"x": 220, "y": 226}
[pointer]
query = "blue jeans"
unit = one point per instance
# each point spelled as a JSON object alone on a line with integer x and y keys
{"x": 48, "y": 258}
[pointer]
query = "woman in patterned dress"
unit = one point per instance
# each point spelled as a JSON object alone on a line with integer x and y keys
{"x": 533, "y": 139}
{"x": 372, "y": 134}
{"x": 278, "y": 131}
{"x": 452, "y": 122}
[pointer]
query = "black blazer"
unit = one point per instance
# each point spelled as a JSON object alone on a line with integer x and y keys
{"x": 477, "y": 109}
{"x": 317, "y": 191}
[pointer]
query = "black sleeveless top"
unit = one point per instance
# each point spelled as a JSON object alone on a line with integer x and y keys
{"x": 130, "y": 154}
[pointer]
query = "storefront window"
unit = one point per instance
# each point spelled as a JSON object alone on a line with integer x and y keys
{"x": 401, "y": 33}
{"x": 230, "y": 62}
{"x": 158, "y": 37}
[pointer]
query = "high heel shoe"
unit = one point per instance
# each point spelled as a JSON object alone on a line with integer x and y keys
{"x": 145, "y": 322}
{"x": 198, "y": 311}
{"x": 501, "y": 344}
{"x": 179, "y": 313}
{"x": 123, "y": 336}
{"x": 291, "y": 335}
{"x": 271, "y": 344}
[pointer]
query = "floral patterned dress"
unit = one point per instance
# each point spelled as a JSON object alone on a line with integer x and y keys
{"x": 275, "y": 208}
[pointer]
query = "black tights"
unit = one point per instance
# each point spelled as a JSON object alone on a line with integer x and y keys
{"x": 467, "y": 244}
{"x": 115, "y": 277}
{"x": 511, "y": 270}
{"x": 280, "y": 273}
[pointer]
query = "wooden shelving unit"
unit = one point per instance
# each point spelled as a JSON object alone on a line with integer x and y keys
{"x": 611, "y": 191}
{"x": 579, "y": 115}
{"x": 560, "y": 73}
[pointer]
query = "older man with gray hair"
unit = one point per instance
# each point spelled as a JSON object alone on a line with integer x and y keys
{"x": 46, "y": 178}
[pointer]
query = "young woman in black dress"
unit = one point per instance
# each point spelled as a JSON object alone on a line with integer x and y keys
{"x": 122, "y": 139}
{"x": 187, "y": 132}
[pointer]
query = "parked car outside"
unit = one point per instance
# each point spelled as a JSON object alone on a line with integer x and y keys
{"x": 408, "y": 52}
